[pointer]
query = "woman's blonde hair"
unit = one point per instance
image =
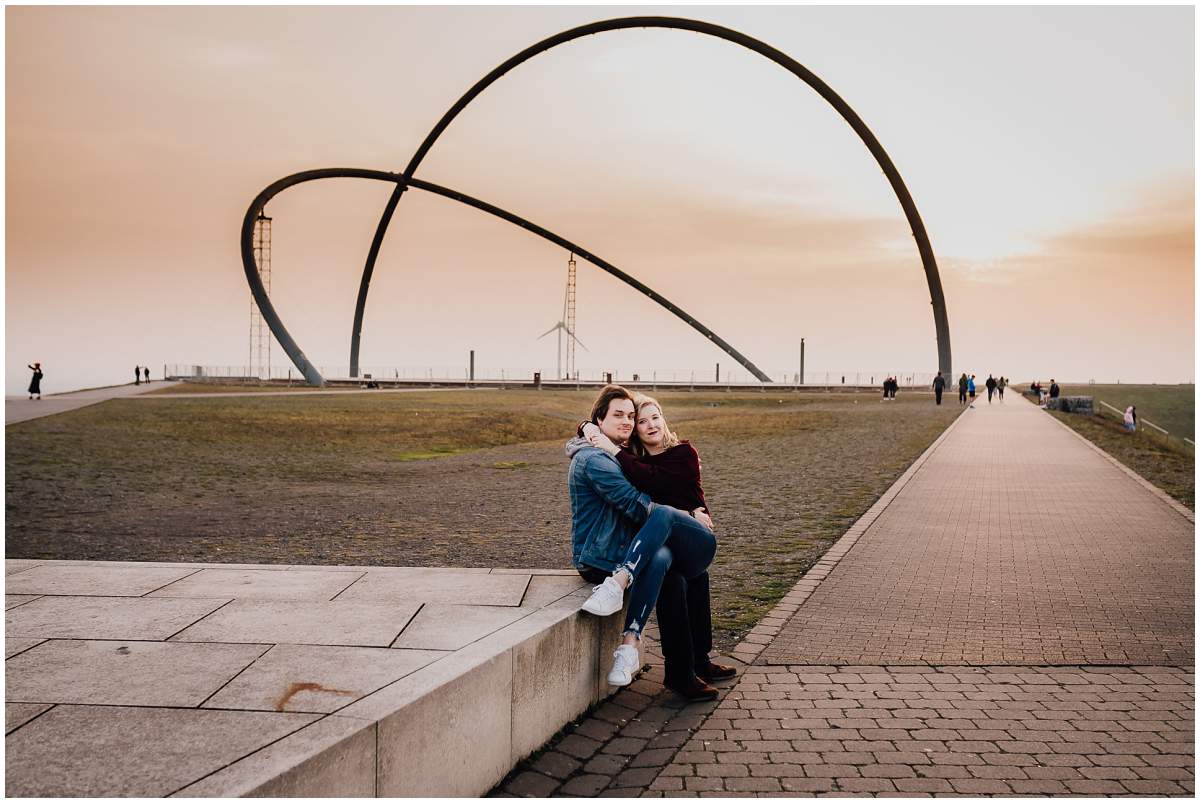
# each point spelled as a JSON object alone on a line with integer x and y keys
{"x": 670, "y": 439}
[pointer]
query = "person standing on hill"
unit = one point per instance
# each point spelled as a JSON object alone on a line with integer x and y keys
{"x": 963, "y": 382}
{"x": 991, "y": 387}
{"x": 35, "y": 383}
{"x": 137, "y": 374}
{"x": 1001, "y": 384}
{"x": 939, "y": 384}
{"x": 146, "y": 371}
{"x": 1131, "y": 418}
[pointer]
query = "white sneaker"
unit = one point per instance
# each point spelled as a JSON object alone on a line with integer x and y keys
{"x": 625, "y": 664}
{"x": 606, "y": 599}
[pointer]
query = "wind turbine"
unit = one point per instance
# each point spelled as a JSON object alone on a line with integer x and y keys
{"x": 566, "y": 324}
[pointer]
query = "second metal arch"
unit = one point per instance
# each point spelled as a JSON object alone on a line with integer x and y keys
{"x": 937, "y": 297}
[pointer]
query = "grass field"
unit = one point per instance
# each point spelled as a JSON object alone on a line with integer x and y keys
{"x": 449, "y": 478}
{"x": 211, "y": 387}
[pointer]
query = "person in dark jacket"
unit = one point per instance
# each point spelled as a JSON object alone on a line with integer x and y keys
{"x": 963, "y": 382}
{"x": 939, "y": 385}
{"x": 668, "y": 469}
{"x": 991, "y": 387}
{"x": 35, "y": 382}
{"x": 1054, "y": 389}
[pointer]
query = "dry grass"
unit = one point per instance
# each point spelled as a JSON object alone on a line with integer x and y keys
{"x": 211, "y": 387}
{"x": 459, "y": 478}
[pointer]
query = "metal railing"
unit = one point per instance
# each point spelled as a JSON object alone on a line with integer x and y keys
{"x": 857, "y": 380}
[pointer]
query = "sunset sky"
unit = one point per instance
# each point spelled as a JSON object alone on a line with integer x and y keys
{"x": 1050, "y": 152}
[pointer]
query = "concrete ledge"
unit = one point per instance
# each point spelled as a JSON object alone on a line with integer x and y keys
{"x": 430, "y": 723}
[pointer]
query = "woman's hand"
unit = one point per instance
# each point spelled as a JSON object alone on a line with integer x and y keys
{"x": 598, "y": 439}
{"x": 701, "y": 515}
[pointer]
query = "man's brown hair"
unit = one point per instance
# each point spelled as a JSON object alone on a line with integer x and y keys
{"x": 607, "y": 394}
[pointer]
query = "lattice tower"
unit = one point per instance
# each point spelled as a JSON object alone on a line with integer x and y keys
{"x": 570, "y": 320}
{"x": 260, "y": 333}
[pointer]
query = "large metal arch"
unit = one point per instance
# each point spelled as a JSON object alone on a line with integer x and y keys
{"x": 292, "y": 349}
{"x": 937, "y": 297}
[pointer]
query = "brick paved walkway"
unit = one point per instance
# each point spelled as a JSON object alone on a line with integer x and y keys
{"x": 1014, "y": 543}
{"x": 1014, "y": 616}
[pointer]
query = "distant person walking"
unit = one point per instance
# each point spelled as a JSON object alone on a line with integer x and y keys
{"x": 991, "y": 387}
{"x": 35, "y": 383}
{"x": 1131, "y": 418}
{"x": 963, "y": 382}
{"x": 137, "y": 374}
{"x": 1054, "y": 389}
{"x": 147, "y": 372}
{"x": 1001, "y": 384}
{"x": 939, "y": 384}
{"x": 895, "y": 387}
{"x": 971, "y": 387}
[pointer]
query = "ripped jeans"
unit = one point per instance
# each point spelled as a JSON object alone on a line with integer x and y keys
{"x": 670, "y": 539}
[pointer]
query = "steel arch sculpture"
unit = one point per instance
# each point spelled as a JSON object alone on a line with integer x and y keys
{"x": 293, "y": 350}
{"x": 405, "y": 180}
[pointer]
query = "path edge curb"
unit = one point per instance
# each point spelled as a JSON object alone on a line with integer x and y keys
{"x": 752, "y": 645}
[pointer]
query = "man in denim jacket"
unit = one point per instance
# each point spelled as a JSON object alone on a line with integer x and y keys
{"x": 606, "y": 510}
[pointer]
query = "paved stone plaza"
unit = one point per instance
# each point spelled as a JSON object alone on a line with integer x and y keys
{"x": 200, "y": 679}
{"x": 1014, "y": 616}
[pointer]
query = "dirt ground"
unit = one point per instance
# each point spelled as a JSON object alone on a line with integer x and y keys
{"x": 447, "y": 479}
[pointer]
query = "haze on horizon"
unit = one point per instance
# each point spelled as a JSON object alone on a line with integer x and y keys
{"x": 1050, "y": 152}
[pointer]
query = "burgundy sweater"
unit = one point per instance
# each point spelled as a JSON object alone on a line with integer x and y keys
{"x": 670, "y": 478}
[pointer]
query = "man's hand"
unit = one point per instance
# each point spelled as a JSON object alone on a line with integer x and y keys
{"x": 598, "y": 439}
{"x": 702, "y": 516}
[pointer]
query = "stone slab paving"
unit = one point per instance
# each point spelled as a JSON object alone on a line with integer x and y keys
{"x": 81, "y": 617}
{"x": 337, "y": 623}
{"x": 1013, "y": 617}
{"x": 155, "y": 679}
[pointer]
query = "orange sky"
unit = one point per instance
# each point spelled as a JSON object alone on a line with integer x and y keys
{"x": 1050, "y": 152}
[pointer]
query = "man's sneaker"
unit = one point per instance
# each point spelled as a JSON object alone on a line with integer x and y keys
{"x": 606, "y": 599}
{"x": 625, "y": 664}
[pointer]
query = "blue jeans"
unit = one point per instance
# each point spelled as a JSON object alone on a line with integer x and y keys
{"x": 670, "y": 539}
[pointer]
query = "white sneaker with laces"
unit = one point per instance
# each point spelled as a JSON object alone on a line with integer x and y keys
{"x": 625, "y": 664}
{"x": 606, "y": 599}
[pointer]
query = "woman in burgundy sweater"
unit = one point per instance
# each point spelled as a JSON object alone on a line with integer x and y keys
{"x": 659, "y": 464}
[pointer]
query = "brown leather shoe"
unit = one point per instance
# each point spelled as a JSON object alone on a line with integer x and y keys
{"x": 696, "y": 691}
{"x": 715, "y": 672}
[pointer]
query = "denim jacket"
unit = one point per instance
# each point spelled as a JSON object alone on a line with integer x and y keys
{"x": 606, "y": 510}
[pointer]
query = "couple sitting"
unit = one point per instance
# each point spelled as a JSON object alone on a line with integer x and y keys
{"x": 639, "y": 522}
